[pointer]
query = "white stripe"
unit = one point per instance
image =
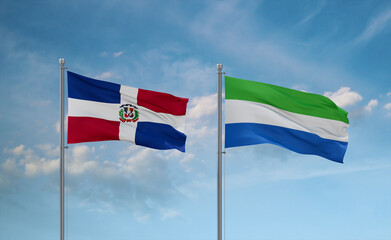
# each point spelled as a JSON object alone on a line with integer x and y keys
{"x": 147, "y": 115}
{"x": 85, "y": 108}
{"x": 127, "y": 131}
{"x": 128, "y": 95}
{"x": 239, "y": 111}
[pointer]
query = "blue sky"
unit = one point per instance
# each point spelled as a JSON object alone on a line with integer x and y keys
{"x": 340, "y": 49}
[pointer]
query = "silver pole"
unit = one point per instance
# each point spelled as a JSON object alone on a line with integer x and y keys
{"x": 219, "y": 151}
{"x": 62, "y": 63}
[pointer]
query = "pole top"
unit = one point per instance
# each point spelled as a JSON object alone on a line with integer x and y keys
{"x": 219, "y": 67}
{"x": 61, "y": 61}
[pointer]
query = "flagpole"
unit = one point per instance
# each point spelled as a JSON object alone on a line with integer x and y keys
{"x": 62, "y": 63}
{"x": 219, "y": 151}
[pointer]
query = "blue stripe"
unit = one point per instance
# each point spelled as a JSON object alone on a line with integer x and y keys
{"x": 85, "y": 88}
{"x": 242, "y": 134}
{"x": 159, "y": 136}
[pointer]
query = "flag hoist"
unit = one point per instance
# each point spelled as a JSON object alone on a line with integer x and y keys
{"x": 62, "y": 146}
{"x": 219, "y": 151}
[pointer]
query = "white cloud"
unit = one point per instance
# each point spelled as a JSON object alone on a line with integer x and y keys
{"x": 186, "y": 160}
{"x": 371, "y": 104}
{"x": 195, "y": 75}
{"x": 30, "y": 161}
{"x": 105, "y": 207}
{"x": 388, "y": 108}
{"x": 36, "y": 166}
{"x": 57, "y": 125}
{"x": 18, "y": 150}
{"x": 33, "y": 164}
{"x": 143, "y": 165}
{"x": 80, "y": 159}
{"x": 201, "y": 131}
{"x": 45, "y": 147}
{"x": 143, "y": 174}
{"x": 10, "y": 166}
{"x": 168, "y": 213}
{"x": 142, "y": 218}
{"x": 104, "y": 75}
{"x": 377, "y": 24}
{"x": 9, "y": 173}
{"x": 117, "y": 54}
{"x": 202, "y": 106}
{"x": 344, "y": 97}
{"x": 314, "y": 13}
{"x": 49, "y": 150}
{"x": 389, "y": 94}
{"x": 145, "y": 183}
{"x": 202, "y": 109}
{"x": 136, "y": 164}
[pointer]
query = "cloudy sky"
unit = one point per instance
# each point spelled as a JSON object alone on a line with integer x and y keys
{"x": 340, "y": 49}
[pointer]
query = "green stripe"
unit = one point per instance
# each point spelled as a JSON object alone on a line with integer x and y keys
{"x": 284, "y": 98}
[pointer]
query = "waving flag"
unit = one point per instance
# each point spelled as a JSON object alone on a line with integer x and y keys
{"x": 302, "y": 122}
{"x": 100, "y": 111}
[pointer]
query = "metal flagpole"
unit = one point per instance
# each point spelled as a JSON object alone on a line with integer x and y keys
{"x": 219, "y": 151}
{"x": 62, "y": 63}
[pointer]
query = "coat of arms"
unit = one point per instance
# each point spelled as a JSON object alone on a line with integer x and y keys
{"x": 128, "y": 113}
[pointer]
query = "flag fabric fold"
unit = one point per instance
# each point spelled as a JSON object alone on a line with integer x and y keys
{"x": 303, "y": 122}
{"x": 101, "y": 111}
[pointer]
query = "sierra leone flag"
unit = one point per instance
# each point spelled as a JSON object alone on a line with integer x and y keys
{"x": 302, "y": 122}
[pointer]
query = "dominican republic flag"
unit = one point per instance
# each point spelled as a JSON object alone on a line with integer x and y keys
{"x": 101, "y": 111}
{"x": 302, "y": 122}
